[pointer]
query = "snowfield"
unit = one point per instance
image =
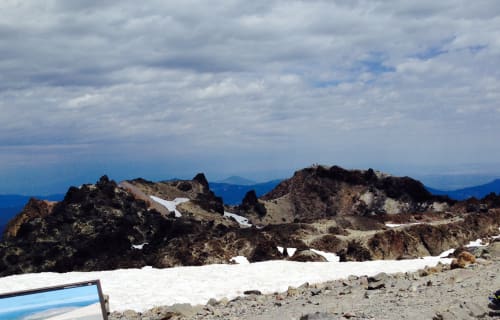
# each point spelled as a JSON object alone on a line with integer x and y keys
{"x": 142, "y": 289}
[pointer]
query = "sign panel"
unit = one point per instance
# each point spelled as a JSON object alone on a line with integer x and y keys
{"x": 77, "y": 301}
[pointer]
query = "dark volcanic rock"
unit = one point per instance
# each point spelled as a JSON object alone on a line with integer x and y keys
{"x": 103, "y": 226}
{"x": 201, "y": 179}
{"x": 207, "y": 199}
{"x": 93, "y": 228}
{"x": 355, "y": 251}
{"x": 250, "y": 199}
{"x": 265, "y": 250}
{"x": 251, "y": 203}
{"x": 210, "y": 202}
{"x": 322, "y": 192}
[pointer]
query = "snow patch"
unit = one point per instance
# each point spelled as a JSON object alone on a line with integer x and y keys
{"x": 240, "y": 260}
{"x": 395, "y": 225}
{"x": 290, "y": 251}
{"x": 330, "y": 257}
{"x": 242, "y": 221}
{"x": 476, "y": 243}
{"x": 171, "y": 205}
{"x": 446, "y": 253}
{"x": 139, "y": 246}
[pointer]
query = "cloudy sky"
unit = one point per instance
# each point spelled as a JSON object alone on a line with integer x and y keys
{"x": 163, "y": 89}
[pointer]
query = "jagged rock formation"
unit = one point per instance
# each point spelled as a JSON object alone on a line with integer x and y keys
{"x": 323, "y": 192}
{"x": 107, "y": 226}
{"x": 252, "y": 204}
{"x": 103, "y": 226}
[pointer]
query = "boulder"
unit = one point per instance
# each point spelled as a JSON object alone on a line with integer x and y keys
{"x": 378, "y": 281}
{"x": 307, "y": 256}
{"x": 464, "y": 259}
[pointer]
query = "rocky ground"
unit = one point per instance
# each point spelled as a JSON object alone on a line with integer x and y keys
{"x": 433, "y": 293}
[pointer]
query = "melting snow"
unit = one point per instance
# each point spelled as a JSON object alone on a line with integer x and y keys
{"x": 142, "y": 289}
{"x": 240, "y": 260}
{"x": 241, "y": 220}
{"x": 171, "y": 205}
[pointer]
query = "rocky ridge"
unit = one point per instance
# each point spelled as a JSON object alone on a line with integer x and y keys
{"x": 107, "y": 225}
{"x": 103, "y": 227}
{"x": 321, "y": 192}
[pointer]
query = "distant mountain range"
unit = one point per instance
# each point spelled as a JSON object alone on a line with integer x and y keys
{"x": 237, "y": 180}
{"x": 233, "y": 194}
{"x": 477, "y": 191}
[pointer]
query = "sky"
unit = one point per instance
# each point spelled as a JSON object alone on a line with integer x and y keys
{"x": 163, "y": 89}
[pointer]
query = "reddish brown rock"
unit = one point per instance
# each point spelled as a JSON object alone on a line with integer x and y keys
{"x": 33, "y": 209}
{"x": 464, "y": 259}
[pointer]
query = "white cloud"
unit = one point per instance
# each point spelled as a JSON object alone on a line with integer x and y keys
{"x": 258, "y": 79}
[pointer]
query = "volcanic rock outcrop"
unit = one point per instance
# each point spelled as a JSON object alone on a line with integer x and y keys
{"x": 324, "y": 192}
{"x": 359, "y": 215}
{"x": 103, "y": 226}
{"x": 33, "y": 209}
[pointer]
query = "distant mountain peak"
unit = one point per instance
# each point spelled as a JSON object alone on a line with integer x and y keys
{"x": 237, "y": 180}
{"x": 478, "y": 192}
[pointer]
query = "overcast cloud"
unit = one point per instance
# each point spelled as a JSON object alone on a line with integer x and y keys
{"x": 258, "y": 88}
